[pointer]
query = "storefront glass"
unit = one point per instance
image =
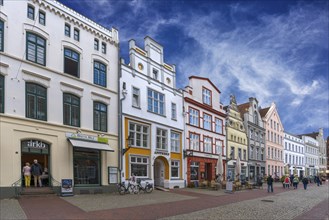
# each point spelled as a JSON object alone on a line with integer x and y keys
{"x": 194, "y": 170}
{"x": 86, "y": 167}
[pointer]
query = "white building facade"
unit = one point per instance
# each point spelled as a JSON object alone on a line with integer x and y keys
{"x": 311, "y": 155}
{"x": 58, "y": 95}
{"x": 152, "y": 118}
{"x": 294, "y": 154}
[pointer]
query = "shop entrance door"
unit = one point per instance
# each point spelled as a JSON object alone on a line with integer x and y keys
{"x": 34, "y": 149}
{"x": 159, "y": 173}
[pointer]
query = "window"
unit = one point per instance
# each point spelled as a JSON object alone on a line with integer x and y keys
{"x": 219, "y": 146}
{"x": 30, "y": 12}
{"x": 206, "y": 96}
{"x": 251, "y": 156}
{"x": 219, "y": 126}
{"x": 139, "y": 166}
{"x": 207, "y": 121}
{"x": 71, "y": 110}
{"x": 36, "y": 101}
{"x": 207, "y": 145}
{"x": 35, "y": 49}
{"x": 194, "y": 171}
{"x": 86, "y": 166}
{"x": 257, "y": 154}
{"x": 76, "y": 34}
{"x": 99, "y": 73}
{"x": 136, "y": 97}
{"x": 155, "y": 102}
{"x": 67, "y": 30}
{"x": 232, "y": 156}
{"x": 139, "y": 134}
{"x": 1, "y": 2}
{"x": 251, "y": 134}
{"x": 268, "y": 152}
{"x": 244, "y": 154}
{"x": 104, "y": 48}
{"x": 155, "y": 74}
{"x": 194, "y": 142}
{"x": 175, "y": 169}
{"x": 42, "y": 17}
{"x": 2, "y": 35}
{"x": 239, "y": 153}
{"x": 272, "y": 153}
{"x": 100, "y": 117}
{"x": 255, "y": 117}
{"x": 96, "y": 44}
{"x": 71, "y": 62}
{"x": 2, "y": 94}
{"x": 173, "y": 111}
{"x": 262, "y": 154}
{"x": 161, "y": 139}
{"x": 194, "y": 117}
{"x": 175, "y": 141}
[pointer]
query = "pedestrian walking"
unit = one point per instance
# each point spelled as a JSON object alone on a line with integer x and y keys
{"x": 291, "y": 179}
{"x": 295, "y": 182}
{"x": 27, "y": 174}
{"x": 305, "y": 182}
{"x": 287, "y": 182}
{"x": 36, "y": 171}
{"x": 269, "y": 183}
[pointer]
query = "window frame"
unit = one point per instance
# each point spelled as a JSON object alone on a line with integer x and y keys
{"x": 194, "y": 141}
{"x": 161, "y": 139}
{"x": 218, "y": 147}
{"x": 102, "y": 73}
{"x": 42, "y": 20}
{"x": 134, "y": 133}
{"x": 206, "y": 96}
{"x": 30, "y": 12}
{"x": 78, "y": 61}
{"x": 103, "y": 47}
{"x": 193, "y": 118}
{"x": 142, "y": 163}
{"x": 36, "y": 45}
{"x": 36, "y": 101}
{"x": 76, "y": 34}
{"x": 101, "y": 112}
{"x": 176, "y": 165}
{"x": 218, "y": 126}
{"x": 154, "y": 99}
{"x": 173, "y": 111}
{"x": 2, "y": 35}
{"x": 175, "y": 142}
{"x": 67, "y": 30}
{"x": 78, "y": 106}
{"x": 207, "y": 144}
{"x": 206, "y": 121}
{"x": 136, "y": 96}
{"x": 96, "y": 44}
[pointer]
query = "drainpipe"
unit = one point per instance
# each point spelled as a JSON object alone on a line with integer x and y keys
{"x": 120, "y": 99}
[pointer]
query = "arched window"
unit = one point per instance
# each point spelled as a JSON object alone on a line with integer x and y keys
{"x": 35, "y": 48}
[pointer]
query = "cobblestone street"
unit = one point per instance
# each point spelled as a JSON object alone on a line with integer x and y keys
{"x": 177, "y": 204}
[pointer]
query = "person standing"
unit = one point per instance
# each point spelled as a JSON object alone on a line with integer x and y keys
{"x": 27, "y": 174}
{"x": 269, "y": 183}
{"x": 287, "y": 182}
{"x": 295, "y": 182}
{"x": 36, "y": 171}
{"x": 305, "y": 182}
{"x": 291, "y": 179}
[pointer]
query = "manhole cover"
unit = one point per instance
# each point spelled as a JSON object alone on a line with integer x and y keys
{"x": 266, "y": 200}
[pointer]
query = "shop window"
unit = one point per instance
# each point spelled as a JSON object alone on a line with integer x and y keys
{"x": 36, "y": 101}
{"x": 86, "y": 166}
{"x": 71, "y": 110}
{"x": 35, "y": 48}
{"x": 100, "y": 117}
{"x": 71, "y": 62}
{"x": 99, "y": 73}
{"x": 139, "y": 166}
{"x": 174, "y": 169}
{"x": 194, "y": 175}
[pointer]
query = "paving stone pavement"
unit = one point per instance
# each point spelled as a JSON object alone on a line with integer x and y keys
{"x": 176, "y": 204}
{"x": 285, "y": 205}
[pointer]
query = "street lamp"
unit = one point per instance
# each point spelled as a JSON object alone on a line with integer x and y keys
{"x": 129, "y": 140}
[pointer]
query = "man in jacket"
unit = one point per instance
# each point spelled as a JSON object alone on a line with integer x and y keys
{"x": 269, "y": 183}
{"x": 36, "y": 171}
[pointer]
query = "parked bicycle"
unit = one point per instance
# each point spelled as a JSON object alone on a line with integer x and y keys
{"x": 147, "y": 188}
{"x": 130, "y": 188}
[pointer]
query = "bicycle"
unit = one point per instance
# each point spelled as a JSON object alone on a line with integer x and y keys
{"x": 131, "y": 188}
{"x": 147, "y": 188}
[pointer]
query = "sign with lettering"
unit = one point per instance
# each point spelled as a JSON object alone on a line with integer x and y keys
{"x": 67, "y": 187}
{"x": 87, "y": 137}
{"x": 161, "y": 153}
{"x": 35, "y": 144}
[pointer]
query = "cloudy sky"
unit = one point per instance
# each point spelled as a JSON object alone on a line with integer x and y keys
{"x": 276, "y": 51}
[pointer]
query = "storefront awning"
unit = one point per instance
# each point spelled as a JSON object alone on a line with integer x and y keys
{"x": 90, "y": 145}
